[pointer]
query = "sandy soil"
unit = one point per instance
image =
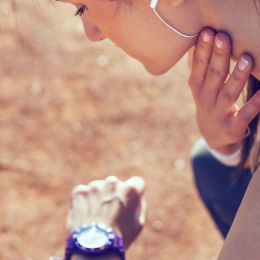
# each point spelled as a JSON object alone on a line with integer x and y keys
{"x": 72, "y": 111}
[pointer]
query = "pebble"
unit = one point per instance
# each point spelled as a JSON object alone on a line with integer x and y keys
{"x": 157, "y": 225}
{"x": 36, "y": 89}
{"x": 77, "y": 127}
{"x": 179, "y": 164}
{"x": 102, "y": 60}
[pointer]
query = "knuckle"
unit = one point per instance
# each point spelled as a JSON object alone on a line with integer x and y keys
{"x": 216, "y": 72}
{"x": 227, "y": 96}
{"x": 94, "y": 186}
{"x": 199, "y": 60}
{"x": 79, "y": 189}
{"x": 111, "y": 186}
{"x": 112, "y": 179}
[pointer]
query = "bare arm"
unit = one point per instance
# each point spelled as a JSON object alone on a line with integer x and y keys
{"x": 243, "y": 240}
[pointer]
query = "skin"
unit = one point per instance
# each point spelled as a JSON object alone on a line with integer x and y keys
{"x": 157, "y": 47}
{"x": 144, "y": 43}
{"x": 221, "y": 121}
{"x": 242, "y": 242}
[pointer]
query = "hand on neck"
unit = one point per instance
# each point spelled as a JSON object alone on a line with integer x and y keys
{"x": 240, "y": 19}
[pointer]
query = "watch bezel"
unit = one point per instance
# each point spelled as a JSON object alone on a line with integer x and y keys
{"x": 115, "y": 243}
{"x": 100, "y": 227}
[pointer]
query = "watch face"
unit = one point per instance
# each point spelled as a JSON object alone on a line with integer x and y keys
{"x": 92, "y": 238}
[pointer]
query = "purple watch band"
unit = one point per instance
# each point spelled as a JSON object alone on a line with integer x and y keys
{"x": 110, "y": 241}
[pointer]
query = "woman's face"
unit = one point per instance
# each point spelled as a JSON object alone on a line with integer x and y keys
{"x": 134, "y": 28}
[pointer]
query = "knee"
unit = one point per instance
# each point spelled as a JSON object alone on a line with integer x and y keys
{"x": 203, "y": 166}
{"x": 199, "y": 156}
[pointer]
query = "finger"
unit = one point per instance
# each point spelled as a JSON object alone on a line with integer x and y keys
{"x": 201, "y": 58}
{"x": 80, "y": 189}
{"x": 95, "y": 190}
{"x": 136, "y": 204}
{"x": 218, "y": 68}
{"x": 248, "y": 112}
{"x": 190, "y": 57}
{"x": 111, "y": 184}
{"x": 235, "y": 84}
{"x": 96, "y": 186}
{"x": 132, "y": 191}
{"x": 133, "y": 195}
{"x": 137, "y": 183}
{"x": 111, "y": 198}
{"x": 77, "y": 212}
{"x": 78, "y": 208}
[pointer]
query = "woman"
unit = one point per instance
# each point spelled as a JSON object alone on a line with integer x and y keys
{"x": 134, "y": 27}
{"x": 158, "y": 34}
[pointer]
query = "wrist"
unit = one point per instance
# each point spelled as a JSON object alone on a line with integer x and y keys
{"x": 108, "y": 256}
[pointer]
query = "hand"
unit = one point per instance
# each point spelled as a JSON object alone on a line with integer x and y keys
{"x": 221, "y": 122}
{"x": 118, "y": 204}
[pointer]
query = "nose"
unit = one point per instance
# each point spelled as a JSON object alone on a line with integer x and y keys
{"x": 92, "y": 31}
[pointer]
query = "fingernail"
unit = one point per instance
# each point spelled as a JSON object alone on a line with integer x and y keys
{"x": 219, "y": 43}
{"x": 206, "y": 37}
{"x": 243, "y": 63}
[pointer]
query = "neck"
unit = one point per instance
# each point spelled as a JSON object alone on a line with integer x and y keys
{"x": 241, "y": 20}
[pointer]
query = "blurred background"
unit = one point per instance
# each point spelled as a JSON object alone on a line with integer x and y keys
{"x": 72, "y": 111}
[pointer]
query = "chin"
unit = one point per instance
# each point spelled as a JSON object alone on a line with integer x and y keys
{"x": 156, "y": 70}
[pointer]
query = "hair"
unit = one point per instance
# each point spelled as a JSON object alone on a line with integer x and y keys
{"x": 251, "y": 144}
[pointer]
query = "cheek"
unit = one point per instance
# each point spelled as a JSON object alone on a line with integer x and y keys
{"x": 140, "y": 35}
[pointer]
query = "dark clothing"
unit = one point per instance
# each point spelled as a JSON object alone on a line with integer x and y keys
{"x": 220, "y": 193}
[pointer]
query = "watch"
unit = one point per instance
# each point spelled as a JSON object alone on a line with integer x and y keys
{"x": 94, "y": 239}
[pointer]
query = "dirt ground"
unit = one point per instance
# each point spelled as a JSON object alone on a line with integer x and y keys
{"x": 72, "y": 111}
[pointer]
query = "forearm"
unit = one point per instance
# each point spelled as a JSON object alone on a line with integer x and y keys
{"x": 243, "y": 239}
{"x": 105, "y": 257}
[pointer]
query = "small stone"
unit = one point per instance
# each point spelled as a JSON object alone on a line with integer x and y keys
{"x": 179, "y": 164}
{"x": 157, "y": 225}
{"x": 102, "y": 60}
{"x": 77, "y": 127}
{"x": 36, "y": 89}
